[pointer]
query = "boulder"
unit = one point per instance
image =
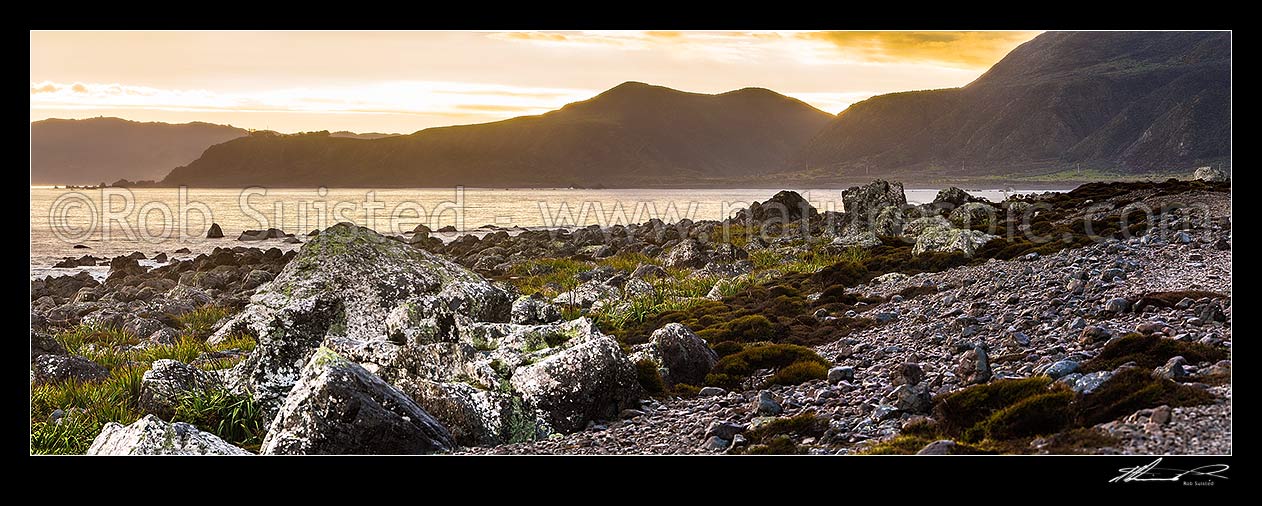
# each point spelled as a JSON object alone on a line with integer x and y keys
{"x": 587, "y": 380}
{"x": 648, "y": 271}
{"x": 952, "y": 197}
{"x": 152, "y": 436}
{"x": 863, "y": 239}
{"x": 59, "y": 368}
{"x": 974, "y": 366}
{"x": 681, "y": 355}
{"x": 43, "y": 343}
{"x": 528, "y": 310}
{"x": 338, "y": 407}
{"x": 1210, "y": 174}
{"x": 215, "y": 232}
{"x": 687, "y": 254}
{"x": 167, "y": 380}
{"x": 785, "y": 206}
{"x": 973, "y": 214}
{"x": 946, "y": 240}
{"x": 919, "y": 225}
{"x": 867, "y": 208}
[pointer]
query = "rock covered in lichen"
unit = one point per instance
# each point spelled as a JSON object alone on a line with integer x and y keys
{"x": 947, "y": 240}
{"x": 681, "y": 355}
{"x": 167, "y": 380}
{"x": 338, "y": 407}
{"x": 152, "y": 436}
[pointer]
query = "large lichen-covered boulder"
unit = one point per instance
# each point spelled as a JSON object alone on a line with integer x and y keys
{"x": 952, "y": 198}
{"x": 1210, "y": 174}
{"x": 687, "y": 254}
{"x": 430, "y": 328}
{"x": 946, "y": 240}
{"x": 919, "y": 225}
{"x": 338, "y": 407}
{"x": 974, "y": 213}
{"x": 344, "y": 282}
{"x": 866, "y": 202}
{"x": 681, "y": 355}
{"x": 589, "y": 379}
{"x": 153, "y": 436}
{"x": 167, "y": 380}
{"x": 586, "y": 294}
{"x": 531, "y": 310}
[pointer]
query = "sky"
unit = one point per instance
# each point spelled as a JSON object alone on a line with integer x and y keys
{"x": 404, "y": 81}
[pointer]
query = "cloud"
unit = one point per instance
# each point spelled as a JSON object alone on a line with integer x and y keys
{"x": 481, "y": 101}
{"x": 958, "y": 49}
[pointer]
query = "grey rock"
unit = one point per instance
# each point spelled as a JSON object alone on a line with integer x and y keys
{"x": 167, "y": 380}
{"x": 724, "y": 429}
{"x": 1061, "y": 369}
{"x": 214, "y": 232}
{"x": 912, "y": 399}
{"x": 1094, "y": 334}
{"x": 940, "y": 447}
{"x": 1118, "y": 305}
{"x": 767, "y": 405}
{"x": 682, "y": 356}
{"x": 648, "y": 271}
{"x": 907, "y": 374}
{"x": 973, "y": 213}
{"x": 1020, "y": 338}
{"x": 687, "y": 254}
{"x": 839, "y": 374}
{"x": 711, "y": 392}
{"x": 1088, "y": 383}
{"x": 1174, "y": 369}
{"x": 1210, "y": 174}
{"x": 529, "y": 310}
{"x": 43, "y": 343}
{"x": 338, "y": 407}
{"x": 946, "y": 240}
{"x": 58, "y": 368}
{"x": 592, "y": 379}
{"x": 152, "y": 436}
{"x": 716, "y": 443}
{"x": 974, "y": 366}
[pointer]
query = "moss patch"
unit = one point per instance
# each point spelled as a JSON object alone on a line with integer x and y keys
{"x": 1149, "y": 352}
{"x": 732, "y": 369}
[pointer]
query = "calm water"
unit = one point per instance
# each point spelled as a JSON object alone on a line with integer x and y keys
{"x": 118, "y": 221}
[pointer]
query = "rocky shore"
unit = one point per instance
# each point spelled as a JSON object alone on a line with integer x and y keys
{"x": 1093, "y": 321}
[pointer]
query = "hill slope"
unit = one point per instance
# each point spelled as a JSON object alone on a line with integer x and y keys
{"x": 631, "y": 134}
{"x": 90, "y": 151}
{"x": 1129, "y": 101}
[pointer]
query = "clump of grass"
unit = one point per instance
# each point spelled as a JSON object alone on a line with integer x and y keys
{"x": 1131, "y": 390}
{"x": 544, "y": 275}
{"x": 780, "y": 445}
{"x": 734, "y": 368}
{"x": 72, "y": 436}
{"x": 1149, "y": 352}
{"x": 628, "y": 261}
{"x": 745, "y": 329}
{"x": 234, "y": 418}
{"x": 765, "y": 259}
{"x": 199, "y": 322}
{"x": 1170, "y": 299}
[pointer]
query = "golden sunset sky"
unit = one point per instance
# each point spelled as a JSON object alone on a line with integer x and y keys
{"x": 402, "y": 81}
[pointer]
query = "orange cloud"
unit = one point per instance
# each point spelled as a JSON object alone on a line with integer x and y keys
{"x": 960, "y": 49}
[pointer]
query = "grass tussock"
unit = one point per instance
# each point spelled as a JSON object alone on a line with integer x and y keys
{"x": 736, "y": 367}
{"x": 1149, "y": 352}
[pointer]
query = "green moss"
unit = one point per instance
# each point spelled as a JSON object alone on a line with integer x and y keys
{"x": 961, "y": 410}
{"x": 801, "y": 425}
{"x": 1149, "y": 352}
{"x": 903, "y": 444}
{"x": 650, "y": 378}
{"x": 1041, "y": 414}
{"x": 732, "y": 369}
{"x": 780, "y": 445}
{"x": 1170, "y": 299}
{"x": 1131, "y": 390}
{"x": 799, "y": 372}
{"x": 685, "y": 390}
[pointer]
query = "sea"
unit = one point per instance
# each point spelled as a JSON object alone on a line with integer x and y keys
{"x": 108, "y": 222}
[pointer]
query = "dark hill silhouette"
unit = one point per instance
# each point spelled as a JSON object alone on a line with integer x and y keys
{"x": 634, "y": 133}
{"x": 90, "y": 151}
{"x": 1130, "y": 101}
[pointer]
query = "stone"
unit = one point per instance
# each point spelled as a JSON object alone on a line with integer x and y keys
{"x": 1210, "y": 174}
{"x": 587, "y": 294}
{"x": 1174, "y": 369}
{"x": 528, "y": 310}
{"x": 338, "y": 407}
{"x": 918, "y": 226}
{"x": 711, "y": 392}
{"x": 591, "y": 379}
{"x": 59, "y": 368}
{"x": 687, "y": 254}
{"x": 1020, "y": 338}
{"x": 863, "y": 203}
{"x": 907, "y": 374}
{"x": 939, "y": 447}
{"x": 953, "y": 196}
{"x": 912, "y": 399}
{"x": 716, "y": 443}
{"x": 1092, "y": 334}
{"x": 43, "y": 343}
{"x": 972, "y": 214}
{"x": 167, "y": 380}
{"x": 214, "y": 232}
{"x": 682, "y": 356}
{"x": 838, "y": 374}
{"x": 946, "y": 240}
{"x": 724, "y": 429}
{"x": 1118, "y": 305}
{"x": 649, "y": 271}
{"x": 1088, "y": 383}
{"x": 974, "y": 366}
{"x": 859, "y": 239}
{"x": 151, "y": 435}
{"x": 1061, "y": 369}
{"x": 1160, "y": 415}
{"x": 767, "y": 405}
{"x": 889, "y": 277}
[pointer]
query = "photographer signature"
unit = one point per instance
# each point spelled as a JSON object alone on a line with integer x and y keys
{"x": 1151, "y": 472}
